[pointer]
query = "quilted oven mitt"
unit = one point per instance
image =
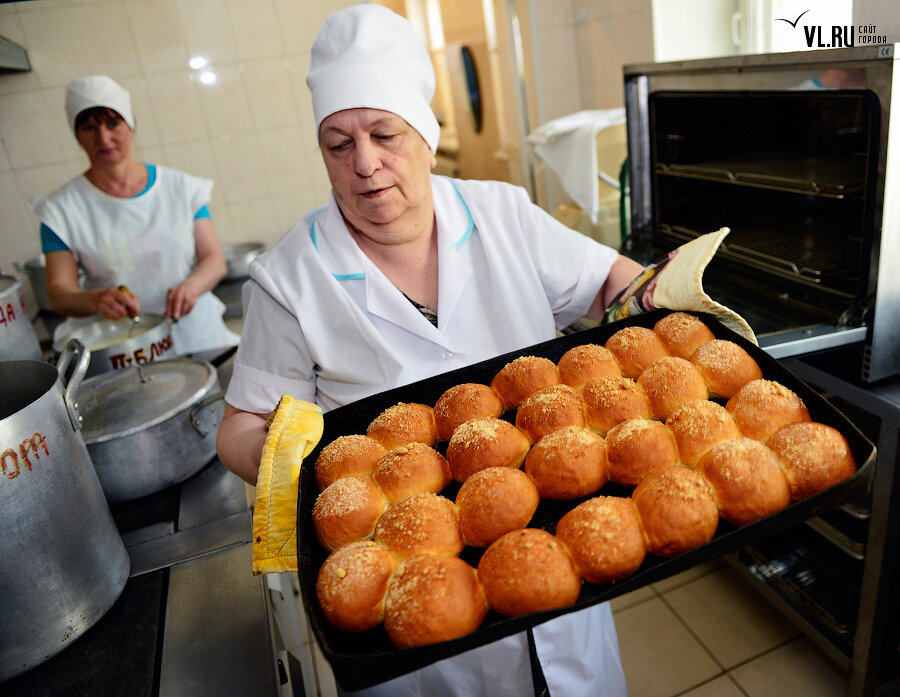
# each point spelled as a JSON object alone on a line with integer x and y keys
{"x": 294, "y": 429}
{"x": 675, "y": 282}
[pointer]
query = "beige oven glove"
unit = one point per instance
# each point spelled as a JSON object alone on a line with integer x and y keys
{"x": 294, "y": 429}
{"x": 675, "y": 282}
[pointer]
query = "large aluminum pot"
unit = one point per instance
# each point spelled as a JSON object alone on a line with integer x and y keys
{"x": 151, "y": 426}
{"x": 238, "y": 257}
{"x": 123, "y": 343}
{"x": 36, "y": 270}
{"x": 62, "y": 562}
{"x": 18, "y": 340}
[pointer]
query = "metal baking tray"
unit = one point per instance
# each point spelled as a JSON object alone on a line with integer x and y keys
{"x": 366, "y": 659}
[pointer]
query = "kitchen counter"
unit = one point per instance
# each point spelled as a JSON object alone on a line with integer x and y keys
{"x": 191, "y": 620}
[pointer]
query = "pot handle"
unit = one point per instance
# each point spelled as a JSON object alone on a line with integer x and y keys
{"x": 73, "y": 347}
{"x": 206, "y": 414}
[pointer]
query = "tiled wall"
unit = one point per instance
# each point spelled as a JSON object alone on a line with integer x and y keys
{"x": 252, "y": 131}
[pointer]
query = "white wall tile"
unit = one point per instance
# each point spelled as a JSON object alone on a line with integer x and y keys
{"x": 56, "y": 52}
{"x": 256, "y": 28}
{"x": 195, "y": 158}
{"x": 268, "y": 84}
{"x": 146, "y": 132}
{"x": 283, "y": 153}
{"x": 106, "y": 35}
{"x": 23, "y": 241}
{"x": 208, "y": 30}
{"x": 224, "y": 103}
{"x": 176, "y": 107}
{"x": 242, "y": 169}
{"x": 159, "y": 36}
{"x": 24, "y": 125}
{"x": 11, "y": 28}
{"x": 250, "y": 220}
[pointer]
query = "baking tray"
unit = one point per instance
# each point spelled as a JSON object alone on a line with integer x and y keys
{"x": 366, "y": 659}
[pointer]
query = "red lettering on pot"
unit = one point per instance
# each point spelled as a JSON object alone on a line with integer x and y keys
{"x": 9, "y": 455}
{"x": 33, "y": 444}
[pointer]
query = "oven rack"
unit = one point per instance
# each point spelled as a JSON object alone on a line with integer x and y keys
{"x": 773, "y": 252}
{"x": 828, "y": 177}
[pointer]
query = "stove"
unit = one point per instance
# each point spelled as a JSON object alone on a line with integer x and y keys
{"x": 191, "y": 620}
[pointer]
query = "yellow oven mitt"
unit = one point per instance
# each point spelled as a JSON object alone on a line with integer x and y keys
{"x": 295, "y": 428}
{"x": 676, "y": 282}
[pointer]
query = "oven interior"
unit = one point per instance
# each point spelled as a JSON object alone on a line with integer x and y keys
{"x": 793, "y": 175}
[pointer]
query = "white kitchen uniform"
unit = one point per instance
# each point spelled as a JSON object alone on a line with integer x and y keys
{"x": 323, "y": 324}
{"x": 145, "y": 242}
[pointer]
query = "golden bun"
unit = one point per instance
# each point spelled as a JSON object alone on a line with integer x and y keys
{"x": 677, "y": 510}
{"x": 345, "y": 456}
{"x": 352, "y": 583}
{"x": 815, "y": 457}
{"x": 462, "y": 403}
{"x": 414, "y": 468}
{"x": 568, "y": 463}
{"x": 747, "y": 478}
{"x": 431, "y": 599}
{"x": 347, "y": 510}
{"x": 670, "y": 382}
{"x": 635, "y": 348}
{"x": 761, "y": 407}
{"x": 583, "y": 363}
{"x": 528, "y": 571}
{"x": 494, "y": 501}
{"x": 420, "y": 524}
{"x": 522, "y": 376}
{"x": 636, "y": 447}
{"x": 725, "y": 367}
{"x": 610, "y": 401}
{"x": 682, "y": 334}
{"x": 604, "y": 537}
{"x": 698, "y": 426}
{"x": 548, "y": 409}
{"x": 404, "y": 423}
{"x": 483, "y": 443}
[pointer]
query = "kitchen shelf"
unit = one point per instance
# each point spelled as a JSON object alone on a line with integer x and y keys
{"x": 829, "y": 177}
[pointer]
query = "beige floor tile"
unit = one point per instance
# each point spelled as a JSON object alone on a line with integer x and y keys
{"x": 789, "y": 671}
{"x": 659, "y": 655}
{"x": 734, "y": 622}
{"x": 637, "y": 597}
{"x": 691, "y": 574}
{"x": 720, "y": 687}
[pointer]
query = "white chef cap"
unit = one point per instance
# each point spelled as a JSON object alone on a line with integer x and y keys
{"x": 370, "y": 57}
{"x": 97, "y": 90}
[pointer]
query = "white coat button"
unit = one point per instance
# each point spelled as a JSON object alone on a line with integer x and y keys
{"x": 448, "y": 354}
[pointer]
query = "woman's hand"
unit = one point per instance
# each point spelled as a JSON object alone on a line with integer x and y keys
{"x": 115, "y": 303}
{"x": 180, "y": 299}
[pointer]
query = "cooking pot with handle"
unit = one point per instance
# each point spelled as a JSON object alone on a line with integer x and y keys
{"x": 17, "y": 338}
{"x": 63, "y": 561}
{"x": 124, "y": 342}
{"x": 36, "y": 270}
{"x": 150, "y": 426}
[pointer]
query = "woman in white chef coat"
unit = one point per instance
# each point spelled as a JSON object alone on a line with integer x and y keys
{"x": 129, "y": 223}
{"x": 403, "y": 275}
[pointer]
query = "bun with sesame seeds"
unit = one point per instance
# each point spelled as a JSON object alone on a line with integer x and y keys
{"x": 420, "y": 524}
{"x": 568, "y": 463}
{"x": 410, "y": 469}
{"x": 528, "y": 571}
{"x": 635, "y": 348}
{"x": 483, "y": 443}
{"x": 352, "y": 583}
{"x": 725, "y": 366}
{"x": 347, "y": 510}
{"x": 604, "y": 537}
{"x": 548, "y": 409}
{"x": 432, "y": 598}
{"x": 522, "y": 376}
{"x": 493, "y": 502}
{"x": 761, "y": 407}
{"x": 670, "y": 382}
{"x": 583, "y": 363}
{"x": 463, "y": 403}
{"x": 404, "y": 423}
{"x": 346, "y": 456}
{"x": 682, "y": 334}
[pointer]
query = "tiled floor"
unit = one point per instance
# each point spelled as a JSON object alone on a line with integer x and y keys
{"x": 702, "y": 633}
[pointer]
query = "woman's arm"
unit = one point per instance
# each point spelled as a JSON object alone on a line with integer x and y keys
{"x": 67, "y": 298}
{"x": 240, "y": 441}
{"x": 210, "y": 269}
{"x": 623, "y": 272}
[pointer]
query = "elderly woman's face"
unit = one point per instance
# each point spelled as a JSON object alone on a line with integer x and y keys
{"x": 379, "y": 167}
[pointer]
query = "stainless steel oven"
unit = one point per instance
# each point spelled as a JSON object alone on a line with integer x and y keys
{"x": 793, "y": 152}
{"x": 796, "y": 154}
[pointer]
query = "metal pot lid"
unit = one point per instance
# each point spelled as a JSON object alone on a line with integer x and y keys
{"x": 100, "y": 334}
{"x": 122, "y": 402}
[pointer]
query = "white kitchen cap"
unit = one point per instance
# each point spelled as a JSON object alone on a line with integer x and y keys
{"x": 97, "y": 90}
{"x": 370, "y": 57}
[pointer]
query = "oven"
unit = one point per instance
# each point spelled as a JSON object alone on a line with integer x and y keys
{"x": 796, "y": 155}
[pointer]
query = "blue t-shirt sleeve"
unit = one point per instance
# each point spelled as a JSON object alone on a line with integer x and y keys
{"x": 202, "y": 213}
{"x": 50, "y": 241}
